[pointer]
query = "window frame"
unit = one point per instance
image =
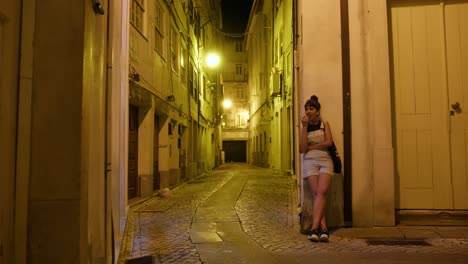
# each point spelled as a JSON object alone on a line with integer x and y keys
{"x": 239, "y": 69}
{"x": 183, "y": 62}
{"x": 137, "y": 19}
{"x": 239, "y": 46}
{"x": 174, "y": 49}
{"x": 159, "y": 28}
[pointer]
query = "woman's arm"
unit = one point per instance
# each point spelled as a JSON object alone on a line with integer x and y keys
{"x": 303, "y": 142}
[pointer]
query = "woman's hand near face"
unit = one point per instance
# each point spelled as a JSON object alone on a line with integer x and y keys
{"x": 303, "y": 145}
{"x": 305, "y": 121}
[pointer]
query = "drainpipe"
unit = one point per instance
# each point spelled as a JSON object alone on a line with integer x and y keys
{"x": 346, "y": 86}
{"x": 296, "y": 79}
{"x": 294, "y": 87}
{"x": 189, "y": 116}
{"x": 107, "y": 152}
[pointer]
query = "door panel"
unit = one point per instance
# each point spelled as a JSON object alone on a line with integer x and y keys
{"x": 422, "y": 135}
{"x": 430, "y": 65}
{"x": 456, "y": 21}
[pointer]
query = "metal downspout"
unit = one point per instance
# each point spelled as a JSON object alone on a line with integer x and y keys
{"x": 347, "y": 138}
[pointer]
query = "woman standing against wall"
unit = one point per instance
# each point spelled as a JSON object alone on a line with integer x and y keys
{"x": 315, "y": 138}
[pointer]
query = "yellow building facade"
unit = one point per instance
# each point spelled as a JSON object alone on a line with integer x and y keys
{"x": 92, "y": 92}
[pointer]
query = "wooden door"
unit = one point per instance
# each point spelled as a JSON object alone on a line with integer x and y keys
{"x": 132, "y": 152}
{"x": 456, "y": 34}
{"x": 426, "y": 64}
{"x": 156, "y": 178}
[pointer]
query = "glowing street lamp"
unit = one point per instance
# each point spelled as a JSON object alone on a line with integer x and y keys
{"x": 227, "y": 103}
{"x": 212, "y": 60}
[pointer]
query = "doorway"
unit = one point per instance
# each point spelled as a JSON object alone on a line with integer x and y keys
{"x": 430, "y": 78}
{"x": 132, "y": 152}
{"x": 235, "y": 151}
{"x": 156, "y": 176}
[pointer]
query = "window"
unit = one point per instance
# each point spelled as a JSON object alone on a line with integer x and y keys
{"x": 190, "y": 78}
{"x": 193, "y": 81}
{"x": 281, "y": 42}
{"x": 241, "y": 93}
{"x": 241, "y": 119}
{"x": 183, "y": 64}
{"x": 238, "y": 69}
{"x": 195, "y": 84}
{"x": 137, "y": 11}
{"x": 174, "y": 49}
{"x": 170, "y": 128}
{"x": 276, "y": 51}
{"x": 202, "y": 37}
{"x": 197, "y": 25}
{"x": 191, "y": 11}
{"x": 159, "y": 28}
{"x": 239, "y": 47}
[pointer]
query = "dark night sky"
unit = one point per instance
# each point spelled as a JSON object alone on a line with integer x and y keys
{"x": 235, "y": 15}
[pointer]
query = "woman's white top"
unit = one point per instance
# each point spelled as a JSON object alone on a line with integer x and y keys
{"x": 316, "y": 135}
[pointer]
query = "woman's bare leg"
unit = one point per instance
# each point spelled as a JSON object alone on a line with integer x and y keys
{"x": 319, "y": 186}
{"x": 323, "y": 222}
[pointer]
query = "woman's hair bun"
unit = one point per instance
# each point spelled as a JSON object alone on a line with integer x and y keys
{"x": 313, "y": 101}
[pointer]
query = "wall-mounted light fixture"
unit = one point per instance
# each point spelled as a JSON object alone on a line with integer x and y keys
{"x": 171, "y": 98}
{"x": 227, "y": 103}
{"x": 212, "y": 60}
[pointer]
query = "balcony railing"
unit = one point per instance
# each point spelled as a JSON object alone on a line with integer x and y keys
{"x": 234, "y": 77}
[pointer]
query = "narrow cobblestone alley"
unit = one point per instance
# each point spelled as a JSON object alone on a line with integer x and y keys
{"x": 243, "y": 214}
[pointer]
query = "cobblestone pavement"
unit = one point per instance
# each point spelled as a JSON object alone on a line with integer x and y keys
{"x": 161, "y": 226}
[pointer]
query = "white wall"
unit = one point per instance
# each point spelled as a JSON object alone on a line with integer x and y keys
{"x": 321, "y": 69}
{"x": 320, "y": 74}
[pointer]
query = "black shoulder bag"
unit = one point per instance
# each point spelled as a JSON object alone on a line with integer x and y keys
{"x": 334, "y": 155}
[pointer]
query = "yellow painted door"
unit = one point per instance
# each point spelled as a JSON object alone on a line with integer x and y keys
{"x": 456, "y": 34}
{"x": 428, "y": 75}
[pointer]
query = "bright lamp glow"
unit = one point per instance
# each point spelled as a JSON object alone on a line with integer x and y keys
{"x": 227, "y": 103}
{"x": 212, "y": 60}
